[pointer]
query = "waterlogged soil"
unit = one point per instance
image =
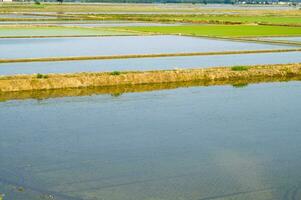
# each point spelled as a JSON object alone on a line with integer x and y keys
{"x": 192, "y": 143}
{"x": 146, "y": 64}
{"x": 121, "y": 45}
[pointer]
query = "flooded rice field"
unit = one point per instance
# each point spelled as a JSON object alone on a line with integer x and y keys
{"x": 214, "y": 136}
{"x": 94, "y": 23}
{"x": 289, "y": 39}
{"x": 24, "y": 16}
{"x": 148, "y": 63}
{"x": 121, "y": 45}
{"x": 53, "y": 31}
{"x": 196, "y": 143}
{"x": 118, "y": 24}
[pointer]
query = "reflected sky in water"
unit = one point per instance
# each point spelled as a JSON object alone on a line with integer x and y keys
{"x": 183, "y": 62}
{"x": 197, "y": 143}
{"x": 120, "y": 45}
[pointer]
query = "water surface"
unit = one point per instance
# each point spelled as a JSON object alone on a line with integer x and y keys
{"x": 195, "y": 143}
{"x": 120, "y": 45}
{"x": 290, "y": 39}
{"x": 148, "y": 63}
{"x": 90, "y": 23}
{"x": 20, "y": 16}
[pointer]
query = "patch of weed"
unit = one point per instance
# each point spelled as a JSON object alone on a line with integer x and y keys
{"x": 115, "y": 73}
{"x": 40, "y": 76}
{"x": 239, "y": 68}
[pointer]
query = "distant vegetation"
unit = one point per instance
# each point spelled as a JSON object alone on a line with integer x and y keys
{"x": 239, "y": 68}
{"x": 188, "y": 1}
{"x": 165, "y": 1}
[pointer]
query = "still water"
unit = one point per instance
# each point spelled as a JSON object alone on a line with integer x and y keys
{"x": 120, "y": 45}
{"x": 148, "y": 63}
{"x": 197, "y": 143}
{"x": 290, "y": 39}
{"x": 86, "y": 23}
{"x": 20, "y": 16}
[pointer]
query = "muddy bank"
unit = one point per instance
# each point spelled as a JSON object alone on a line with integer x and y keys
{"x": 81, "y": 80}
{"x": 121, "y": 89}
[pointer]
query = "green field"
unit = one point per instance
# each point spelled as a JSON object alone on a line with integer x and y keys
{"x": 249, "y": 19}
{"x": 139, "y": 8}
{"x": 187, "y": 13}
{"x": 32, "y": 31}
{"x": 104, "y": 7}
{"x": 222, "y": 30}
{"x": 209, "y": 19}
{"x": 203, "y": 19}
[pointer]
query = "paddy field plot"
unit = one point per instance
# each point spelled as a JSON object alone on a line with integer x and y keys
{"x": 83, "y": 23}
{"x": 248, "y": 19}
{"x": 205, "y": 18}
{"x": 121, "y": 45}
{"x": 24, "y": 16}
{"x": 34, "y": 31}
{"x": 223, "y": 30}
{"x": 285, "y": 39}
{"x": 146, "y": 64}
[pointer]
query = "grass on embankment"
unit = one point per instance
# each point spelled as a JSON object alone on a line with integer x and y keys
{"x": 221, "y": 30}
{"x": 80, "y": 80}
{"x": 240, "y": 68}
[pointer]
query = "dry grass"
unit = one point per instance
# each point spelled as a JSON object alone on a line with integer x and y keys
{"x": 81, "y": 80}
{"x": 118, "y": 90}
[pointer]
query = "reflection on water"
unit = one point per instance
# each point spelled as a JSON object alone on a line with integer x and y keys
{"x": 118, "y": 90}
{"x": 20, "y": 16}
{"x": 133, "y": 64}
{"x": 196, "y": 143}
{"x": 290, "y": 39}
{"x": 121, "y": 45}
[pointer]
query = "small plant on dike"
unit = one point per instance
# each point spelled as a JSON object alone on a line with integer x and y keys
{"x": 240, "y": 85}
{"x": 115, "y": 73}
{"x": 39, "y": 76}
{"x": 239, "y": 68}
{"x": 36, "y": 2}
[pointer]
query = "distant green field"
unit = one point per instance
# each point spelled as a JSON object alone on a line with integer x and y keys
{"x": 249, "y": 19}
{"x": 56, "y": 31}
{"x": 223, "y": 30}
{"x": 289, "y": 20}
{"x": 104, "y": 7}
